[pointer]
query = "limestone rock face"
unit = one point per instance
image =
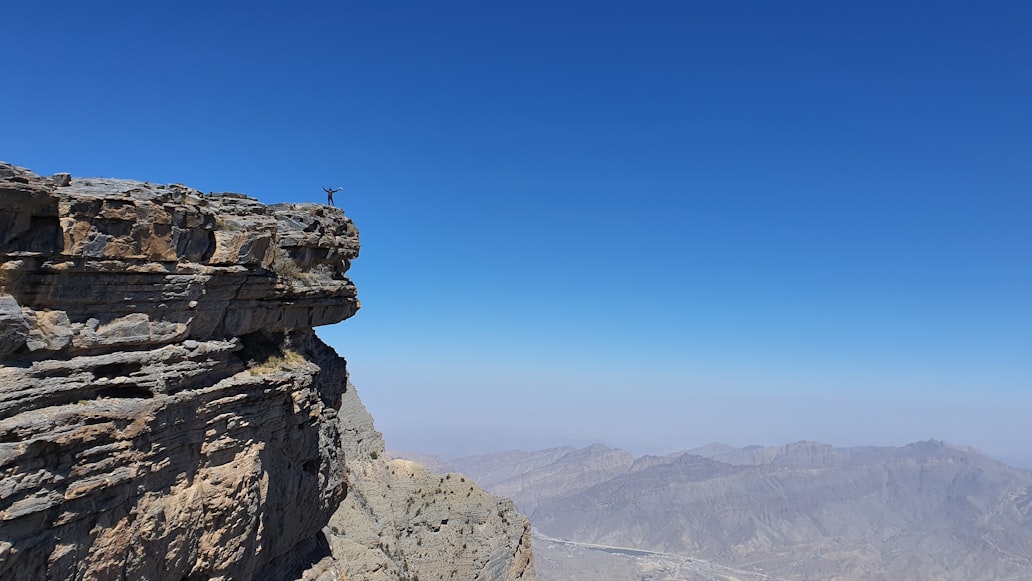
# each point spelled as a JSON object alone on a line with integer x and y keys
{"x": 166, "y": 410}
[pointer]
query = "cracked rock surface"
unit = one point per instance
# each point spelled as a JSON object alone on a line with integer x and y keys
{"x": 166, "y": 410}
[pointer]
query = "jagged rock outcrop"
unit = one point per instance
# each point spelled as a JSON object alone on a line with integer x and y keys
{"x": 166, "y": 410}
{"x": 401, "y": 521}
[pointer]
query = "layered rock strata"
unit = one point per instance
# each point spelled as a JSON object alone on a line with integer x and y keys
{"x": 166, "y": 410}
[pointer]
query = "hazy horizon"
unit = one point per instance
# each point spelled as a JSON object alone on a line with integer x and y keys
{"x": 465, "y": 443}
{"x": 1020, "y": 462}
{"x": 654, "y": 226}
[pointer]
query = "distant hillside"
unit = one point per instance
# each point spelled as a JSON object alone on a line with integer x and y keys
{"x": 800, "y": 511}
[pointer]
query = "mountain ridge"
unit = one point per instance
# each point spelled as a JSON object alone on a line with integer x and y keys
{"x": 803, "y": 510}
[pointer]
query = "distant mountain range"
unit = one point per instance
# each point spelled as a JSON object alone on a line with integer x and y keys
{"x": 800, "y": 511}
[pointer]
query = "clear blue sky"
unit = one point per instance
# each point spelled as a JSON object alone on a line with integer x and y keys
{"x": 652, "y": 224}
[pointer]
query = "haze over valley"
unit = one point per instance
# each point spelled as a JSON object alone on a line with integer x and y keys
{"x": 805, "y": 510}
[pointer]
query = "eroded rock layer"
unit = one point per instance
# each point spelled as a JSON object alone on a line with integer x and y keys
{"x": 166, "y": 411}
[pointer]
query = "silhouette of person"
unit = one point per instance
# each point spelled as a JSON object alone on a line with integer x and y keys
{"x": 329, "y": 194}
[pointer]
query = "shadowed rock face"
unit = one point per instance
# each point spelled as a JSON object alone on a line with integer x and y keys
{"x": 166, "y": 411}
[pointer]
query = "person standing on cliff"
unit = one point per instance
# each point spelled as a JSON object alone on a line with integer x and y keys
{"x": 329, "y": 194}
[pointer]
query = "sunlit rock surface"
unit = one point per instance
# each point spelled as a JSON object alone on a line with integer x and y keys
{"x": 166, "y": 410}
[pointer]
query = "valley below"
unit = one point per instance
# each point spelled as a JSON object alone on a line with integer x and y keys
{"x": 564, "y": 559}
{"x": 805, "y": 510}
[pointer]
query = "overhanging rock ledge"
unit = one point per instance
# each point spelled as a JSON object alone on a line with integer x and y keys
{"x": 166, "y": 410}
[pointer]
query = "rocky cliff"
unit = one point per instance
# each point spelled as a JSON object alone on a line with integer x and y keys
{"x": 167, "y": 412}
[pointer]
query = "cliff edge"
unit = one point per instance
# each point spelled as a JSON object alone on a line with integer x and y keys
{"x": 166, "y": 410}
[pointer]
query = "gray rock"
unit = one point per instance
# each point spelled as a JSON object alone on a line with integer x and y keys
{"x": 13, "y": 328}
{"x": 401, "y": 518}
{"x": 62, "y": 180}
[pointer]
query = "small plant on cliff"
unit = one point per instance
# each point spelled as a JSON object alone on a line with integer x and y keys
{"x": 287, "y": 358}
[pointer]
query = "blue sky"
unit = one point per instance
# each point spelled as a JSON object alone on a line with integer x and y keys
{"x": 652, "y": 224}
